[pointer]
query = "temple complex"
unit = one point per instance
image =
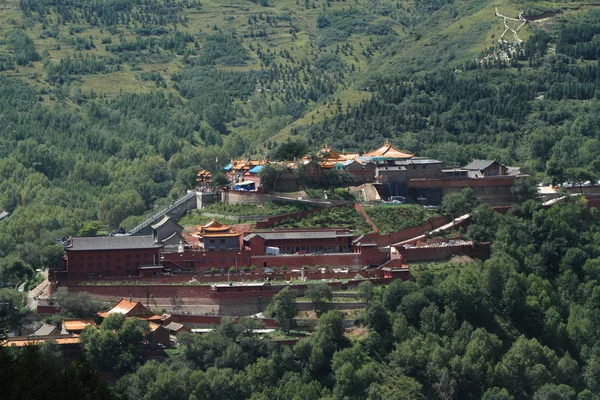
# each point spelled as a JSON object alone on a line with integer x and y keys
{"x": 393, "y": 173}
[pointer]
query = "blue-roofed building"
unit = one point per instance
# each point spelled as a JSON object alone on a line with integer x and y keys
{"x": 245, "y": 170}
{"x": 256, "y": 170}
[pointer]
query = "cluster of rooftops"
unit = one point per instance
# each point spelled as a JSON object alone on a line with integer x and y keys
{"x": 327, "y": 159}
{"x": 68, "y": 332}
{"x": 387, "y": 158}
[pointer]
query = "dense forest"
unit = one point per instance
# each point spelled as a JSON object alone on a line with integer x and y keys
{"x": 520, "y": 325}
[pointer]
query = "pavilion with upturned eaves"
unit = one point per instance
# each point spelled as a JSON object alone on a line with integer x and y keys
{"x": 389, "y": 152}
{"x": 216, "y": 236}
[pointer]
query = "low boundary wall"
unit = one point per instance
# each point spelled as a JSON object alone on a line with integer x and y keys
{"x": 437, "y": 253}
{"x": 209, "y": 320}
{"x": 309, "y": 306}
{"x": 196, "y": 280}
{"x": 236, "y": 300}
{"x": 366, "y": 217}
{"x": 408, "y": 233}
{"x": 299, "y": 260}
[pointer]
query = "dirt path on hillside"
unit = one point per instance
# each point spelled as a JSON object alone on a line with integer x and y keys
{"x": 508, "y": 28}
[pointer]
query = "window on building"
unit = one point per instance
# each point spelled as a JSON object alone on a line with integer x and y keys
{"x": 211, "y": 241}
{"x": 99, "y": 257}
{"x": 128, "y": 256}
{"x": 221, "y": 240}
{"x": 99, "y": 265}
{"x": 137, "y": 256}
{"x": 90, "y": 257}
{"x": 145, "y": 255}
{"x": 91, "y": 275}
{"x": 80, "y": 258}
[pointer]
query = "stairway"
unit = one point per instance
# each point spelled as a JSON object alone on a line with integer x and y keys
{"x": 159, "y": 215}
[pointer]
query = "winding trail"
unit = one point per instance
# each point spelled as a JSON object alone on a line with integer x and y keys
{"x": 508, "y": 28}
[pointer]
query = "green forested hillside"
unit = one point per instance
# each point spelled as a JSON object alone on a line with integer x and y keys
{"x": 109, "y": 107}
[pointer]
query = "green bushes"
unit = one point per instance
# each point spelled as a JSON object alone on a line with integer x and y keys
{"x": 337, "y": 26}
{"x": 224, "y": 49}
{"x": 395, "y": 218}
{"x": 339, "y": 217}
{"x": 270, "y": 208}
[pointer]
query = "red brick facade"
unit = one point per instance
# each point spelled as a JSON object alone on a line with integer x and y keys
{"x": 409, "y": 233}
{"x": 91, "y": 264}
{"x": 489, "y": 181}
{"x": 201, "y": 261}
{"x": 339, "y": 242}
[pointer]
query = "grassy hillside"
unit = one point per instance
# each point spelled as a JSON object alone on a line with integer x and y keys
{"x": 306, "y": 60}
{"x": 342, "y": 217}
{"x": 295, "y": 62}
{"x": 304, "y": 63}
{"x": 390, "y": 218}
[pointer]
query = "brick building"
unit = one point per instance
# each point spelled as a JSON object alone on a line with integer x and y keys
{"x": 290, "y": 241}
{"x": 112, "y": 256}
{"x": 199, "y": 261}
{"x": 483, "y": 168}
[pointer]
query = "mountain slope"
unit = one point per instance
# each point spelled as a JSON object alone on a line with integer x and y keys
{"x": 108, "y": 109}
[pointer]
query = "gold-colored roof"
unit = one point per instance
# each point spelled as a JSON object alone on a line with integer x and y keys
{"x": 223, "y": 234}
{"x": 389, "y": 151}
{"x": 126, "y": 307}
{"x": 212, "y": 224}
{"x": 35, "y": 342}
{"x": 214, "y": 228}
{"x": 77, "y": 325}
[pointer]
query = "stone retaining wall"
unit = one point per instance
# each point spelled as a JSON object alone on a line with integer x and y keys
{"x": 308, "y": 306}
